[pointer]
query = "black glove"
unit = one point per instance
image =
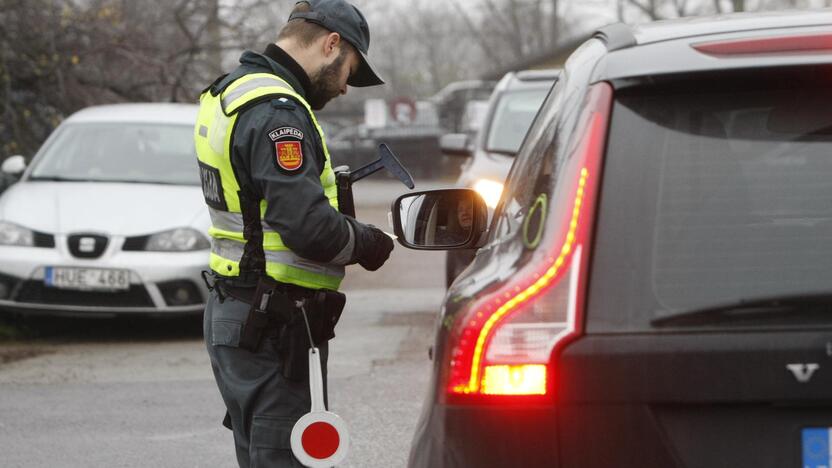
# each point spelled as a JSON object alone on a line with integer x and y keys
{"x": 372, "y": 246}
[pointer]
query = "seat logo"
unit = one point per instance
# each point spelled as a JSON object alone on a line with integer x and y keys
{"x": 803, "y": 372}
{"x": 86, "y": 244}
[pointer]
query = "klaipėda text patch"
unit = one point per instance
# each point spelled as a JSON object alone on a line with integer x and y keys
{"x": 288, "y": 147}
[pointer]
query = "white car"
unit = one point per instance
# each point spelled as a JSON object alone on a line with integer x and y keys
{"x": 108, "y": 218}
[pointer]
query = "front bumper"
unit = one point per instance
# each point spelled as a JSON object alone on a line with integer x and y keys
{"x": 162, "y": 283}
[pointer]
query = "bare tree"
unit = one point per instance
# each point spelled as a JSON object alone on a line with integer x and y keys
{"x": 61, "y": 55}
{"x": 57, "y": 56}
{"x": 664, "y": 9}
{"x": 507, "y": 30}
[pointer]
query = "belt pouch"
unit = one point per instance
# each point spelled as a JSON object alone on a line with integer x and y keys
{"x": 323, "y": 309}
{"x": 258, "y": 315}
{"x": 327, "y": 306}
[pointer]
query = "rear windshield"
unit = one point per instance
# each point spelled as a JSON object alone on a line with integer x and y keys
{"x": 512, "y": 118}
{"x": 712, "y": 197}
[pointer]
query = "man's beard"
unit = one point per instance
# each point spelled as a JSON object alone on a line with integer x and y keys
{"x": 324, "y": 83}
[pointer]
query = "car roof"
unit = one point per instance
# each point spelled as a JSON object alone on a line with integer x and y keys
{"x": 168, "y": 113}
{"x": 735, "y": 22}
{"x": 666, "y": 47}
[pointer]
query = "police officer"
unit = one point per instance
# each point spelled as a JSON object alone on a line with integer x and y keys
{"x": 279, "y": 243}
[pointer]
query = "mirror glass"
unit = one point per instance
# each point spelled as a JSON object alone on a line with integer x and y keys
{"x": 441, "y": 219}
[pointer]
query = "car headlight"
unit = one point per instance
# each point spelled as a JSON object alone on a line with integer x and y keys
{"x": 490, "y": 191}
{"x": 177, "y": 240}
{"x": 12, "y": 234}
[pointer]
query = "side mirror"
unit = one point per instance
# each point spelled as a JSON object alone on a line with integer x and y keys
{"x": 455, "y": 144}
{"x": 14, "y": 165}
{"x": 440, "y": 219}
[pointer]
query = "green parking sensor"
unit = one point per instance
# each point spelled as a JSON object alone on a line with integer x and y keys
{"x": 386, "y": 160}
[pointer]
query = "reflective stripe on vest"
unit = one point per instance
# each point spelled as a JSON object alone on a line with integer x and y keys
{"x": 283, "y": 265}
{"x": 217, "y": 118}
{"x": 227, "y": 221}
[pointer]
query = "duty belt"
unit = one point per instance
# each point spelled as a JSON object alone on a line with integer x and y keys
{"x": 271, "y": 305}
{"x": 245, "y": 293}
{"x": 274, "y": 312}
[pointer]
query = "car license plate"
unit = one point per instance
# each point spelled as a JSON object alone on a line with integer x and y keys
{"x": 87, "y": 278}
{"x": 816, "y": 443}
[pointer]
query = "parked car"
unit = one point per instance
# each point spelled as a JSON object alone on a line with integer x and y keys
{"x": 655, "y": 289}
{"x": 508, "y": 115}
{"x": 352, "y": 146}
{"x": 452, "y": 100}
{"x": 108, "y": 218}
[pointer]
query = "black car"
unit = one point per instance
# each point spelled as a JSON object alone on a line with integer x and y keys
{"x": 656, "y": 287}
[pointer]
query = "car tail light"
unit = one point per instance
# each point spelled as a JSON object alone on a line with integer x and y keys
{"x": 820, "y": 42}
{"x": 503, "y": 342}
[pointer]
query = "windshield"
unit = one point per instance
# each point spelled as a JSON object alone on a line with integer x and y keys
{"x": 724, "y": 197}
{"x": 125, "y": 152}
{"x": 512, "y": 117}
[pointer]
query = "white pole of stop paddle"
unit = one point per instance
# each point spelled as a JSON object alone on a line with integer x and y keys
{"x": 316, "y": 381}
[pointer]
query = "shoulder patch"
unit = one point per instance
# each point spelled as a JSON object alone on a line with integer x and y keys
{"x": 288, "y": 147}
{"x": 289, "y": 155}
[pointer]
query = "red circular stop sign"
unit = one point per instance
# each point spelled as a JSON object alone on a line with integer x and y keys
{"x": 320, "y": 440}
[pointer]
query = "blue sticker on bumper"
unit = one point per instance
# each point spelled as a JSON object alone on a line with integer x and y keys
{"x": 816, "y": 445}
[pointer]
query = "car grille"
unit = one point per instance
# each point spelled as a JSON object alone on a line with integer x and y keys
{"x": 87, "y": 245}
{"x": 36, "y": 292}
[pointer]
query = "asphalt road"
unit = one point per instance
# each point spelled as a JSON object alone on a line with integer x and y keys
{"x": 139, "y": 392}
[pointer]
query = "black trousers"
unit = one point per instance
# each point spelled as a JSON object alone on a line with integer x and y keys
{"x": 262, "y": 404}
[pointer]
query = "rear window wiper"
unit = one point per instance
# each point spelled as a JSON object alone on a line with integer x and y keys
{"x": 794, "y": 308}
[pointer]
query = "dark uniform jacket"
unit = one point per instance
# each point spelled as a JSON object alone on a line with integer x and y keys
{"x": 297, "y": 208}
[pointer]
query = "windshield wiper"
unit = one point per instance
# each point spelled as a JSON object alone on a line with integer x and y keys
{"x": 801, "y": 307}
{"x": 508, "y": 153}
{"x": 106, "y": 181}
{"x": 136, "y": 181}
{"x": 57, "y": 179}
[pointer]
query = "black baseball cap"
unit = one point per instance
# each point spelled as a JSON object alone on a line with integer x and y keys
{"x": 345, "y": 19}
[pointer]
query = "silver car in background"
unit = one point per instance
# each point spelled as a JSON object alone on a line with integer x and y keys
{"x": 108, "y": 218}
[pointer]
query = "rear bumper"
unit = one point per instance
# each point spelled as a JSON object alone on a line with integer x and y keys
{"x": 485, "y": 437}
{"x": 164, "y": 283}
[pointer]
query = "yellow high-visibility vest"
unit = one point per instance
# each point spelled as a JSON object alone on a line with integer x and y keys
{"x": 212, "y": 135}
